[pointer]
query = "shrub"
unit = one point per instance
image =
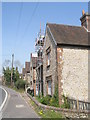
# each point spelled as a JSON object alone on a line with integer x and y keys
{"x": 20, "y": 84}
{"x": 66, "y": 104}
{"x": 54, "y": 102}
{"x": 49, "y": 100}
{"x": 31, "y": 92}
{"x": 46, "y": 100}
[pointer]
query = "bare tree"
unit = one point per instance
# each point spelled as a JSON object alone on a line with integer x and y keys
{"x": 6, "y": 63}
{"x": 18, "y": 64}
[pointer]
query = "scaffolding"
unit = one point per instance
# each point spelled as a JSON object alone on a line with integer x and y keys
{"x": 39, "y": 43}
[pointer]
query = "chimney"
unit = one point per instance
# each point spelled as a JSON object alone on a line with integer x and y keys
{"x": 85, "y": 20}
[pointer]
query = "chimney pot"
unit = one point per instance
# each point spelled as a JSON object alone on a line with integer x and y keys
{"x": 85, "y": 20}
{"x": 83, "y": 12}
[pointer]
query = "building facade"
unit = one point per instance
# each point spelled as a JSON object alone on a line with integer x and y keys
{"x": 39, "y": 67}
{"x": 65, "y": 60}
{"x": 26, "y": 72}
{"x": 33, "y": 62}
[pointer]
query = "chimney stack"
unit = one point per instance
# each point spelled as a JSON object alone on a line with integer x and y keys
{"x": 85, "y": 20}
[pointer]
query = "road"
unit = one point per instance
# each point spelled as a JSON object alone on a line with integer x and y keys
{"x": 16, "y": 107}
{"x": 2, "y": 95}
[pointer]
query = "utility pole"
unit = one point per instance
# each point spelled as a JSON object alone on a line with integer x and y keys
{"x": 12, "y": 69}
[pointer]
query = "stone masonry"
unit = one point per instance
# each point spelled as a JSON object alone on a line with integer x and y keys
{"x": 75, "y": 73}
{"x": 52, "y": 71}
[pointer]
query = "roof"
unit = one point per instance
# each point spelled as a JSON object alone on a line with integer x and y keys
{"x": 69, "y": 35}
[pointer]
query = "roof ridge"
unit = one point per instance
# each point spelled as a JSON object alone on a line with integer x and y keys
{"x": 64, "y": 25}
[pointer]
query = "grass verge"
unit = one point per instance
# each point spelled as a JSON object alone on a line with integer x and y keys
{"x": 44, "y": 113}
{"x": 17, "y": 90}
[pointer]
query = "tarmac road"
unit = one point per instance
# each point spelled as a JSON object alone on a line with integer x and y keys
{"x": 2, "y": 95}
{"x": 16, "y": 107}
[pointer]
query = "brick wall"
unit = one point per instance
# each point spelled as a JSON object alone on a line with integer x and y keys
{"x": 59, "y": 73}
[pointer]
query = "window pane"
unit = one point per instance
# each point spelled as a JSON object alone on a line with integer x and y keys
{"x": 49, "y": 87}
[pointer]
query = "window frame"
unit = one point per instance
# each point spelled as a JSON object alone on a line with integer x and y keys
{"x": 48, "y": 56}
{"x": 49, "y": 90}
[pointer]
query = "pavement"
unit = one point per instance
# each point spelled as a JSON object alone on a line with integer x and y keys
{"x": 17, "y": 107}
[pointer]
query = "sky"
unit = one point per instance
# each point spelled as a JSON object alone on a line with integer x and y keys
{"x": 21, "y": 24}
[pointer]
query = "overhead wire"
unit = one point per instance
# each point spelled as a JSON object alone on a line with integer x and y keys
{"x": 20, "y": 13}
{"x": 19, "y": 20}
{"x": 30, "y": 20}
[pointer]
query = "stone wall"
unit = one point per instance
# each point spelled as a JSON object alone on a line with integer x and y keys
{"x": 67, "y": 113}
{"x": 75, "y": 73}
{"x": 52, "y": 69}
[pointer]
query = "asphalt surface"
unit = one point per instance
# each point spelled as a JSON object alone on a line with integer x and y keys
{"x": 16, "y": 107}
{"x": 2, "y": 95}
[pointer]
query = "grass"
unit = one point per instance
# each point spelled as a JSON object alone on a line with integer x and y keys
{"x": 44, "y": 113}
{"x": 17, "y": 90}
{"x": 38, "y": 99}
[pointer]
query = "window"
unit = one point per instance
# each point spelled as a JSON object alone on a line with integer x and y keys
{"x": 48, "y": 59}
{"x": 48, "y": 56}
{"x": 49, "y": 87}
{"x": 31, "y": 82}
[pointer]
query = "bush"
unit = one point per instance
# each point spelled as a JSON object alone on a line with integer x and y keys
{"x": 49, "y": 100}
{"x": 46, "y": 100}
{"x": 66, "y": 104}
{"x": 31, "y": 92}
{"x": 20, "y": 84}
{"x": 54, "y": 102}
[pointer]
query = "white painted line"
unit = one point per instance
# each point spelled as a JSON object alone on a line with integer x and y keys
{"x": 4, "y": 99}
{"x": 19, "y": 106}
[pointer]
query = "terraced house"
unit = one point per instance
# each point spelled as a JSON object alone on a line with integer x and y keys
{"x": 26, "y": 72}
{"x": 65, "y": 60}
{"x": 33, "y": 63}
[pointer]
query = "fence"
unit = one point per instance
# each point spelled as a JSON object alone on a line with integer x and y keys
{"x": 79, "y": 105}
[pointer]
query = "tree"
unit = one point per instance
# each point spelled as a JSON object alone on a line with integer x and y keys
{"x": 17, "y": 73}
{"x": 6, "y": 63}
{"x": 20, "y": 84}
{"x": 7, "y": 75}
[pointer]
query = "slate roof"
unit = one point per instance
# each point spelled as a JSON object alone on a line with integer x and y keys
{"x": 69, "y": 35}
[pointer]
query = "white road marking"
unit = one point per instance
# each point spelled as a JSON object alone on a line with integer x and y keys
{"x": 19, "y": 106}
{"x": 4, "y": 99}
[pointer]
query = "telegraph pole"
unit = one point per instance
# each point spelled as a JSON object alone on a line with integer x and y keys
{"x": 12, "y": 69}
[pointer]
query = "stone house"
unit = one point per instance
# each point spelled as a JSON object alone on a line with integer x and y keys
{"x": 39, "y": 67}
{"x": 65, "y": 60}
{"x": 33, "y": 62}
{"x": 23, "y": 73}
{"x": 26, "y": 72}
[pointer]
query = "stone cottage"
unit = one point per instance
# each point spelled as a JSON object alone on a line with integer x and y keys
{"x": 33, "y": 63}
{"x": 26, "y": 72}
{"x": 65, "y": 60}
{"x": 39, "y": 67}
